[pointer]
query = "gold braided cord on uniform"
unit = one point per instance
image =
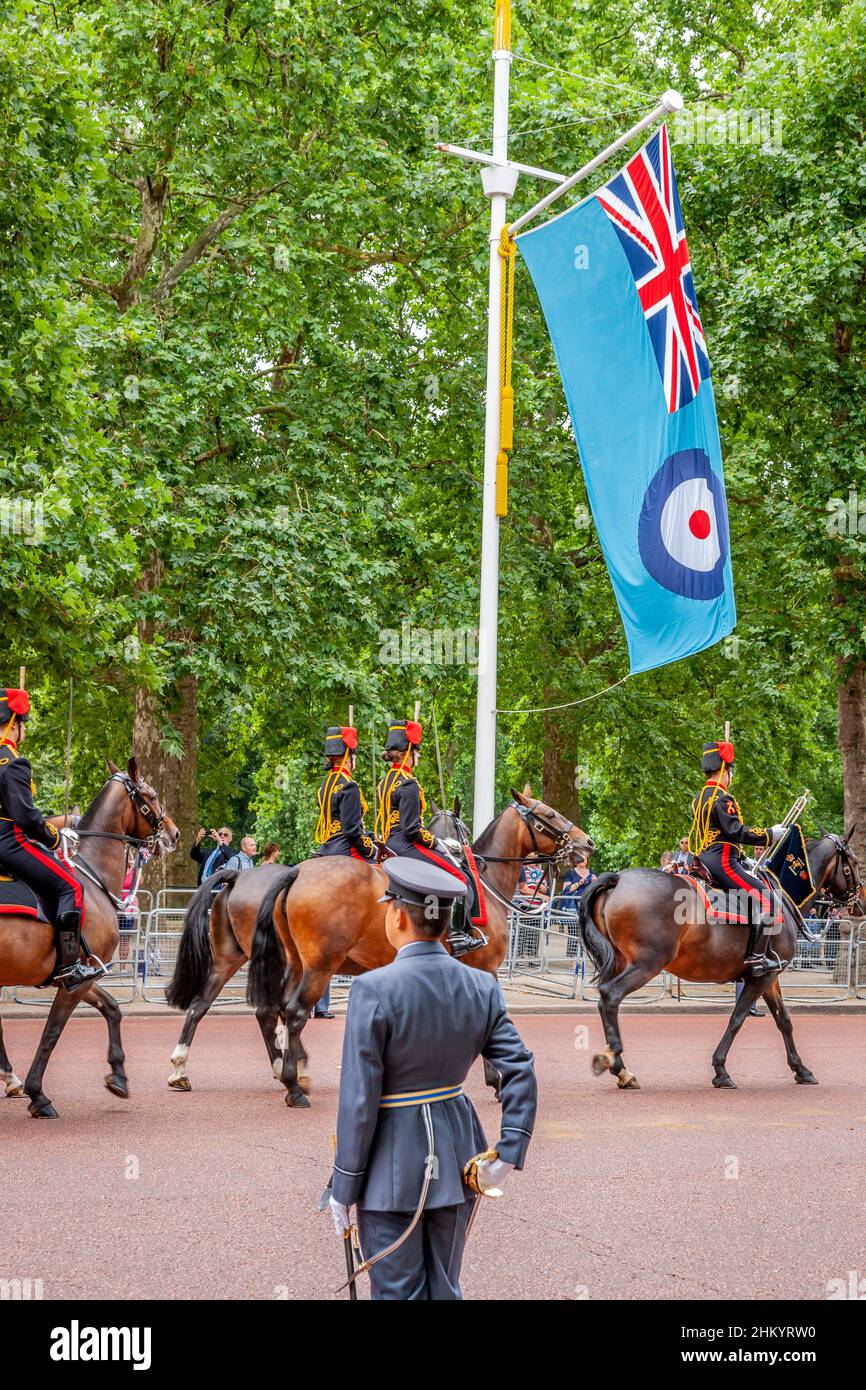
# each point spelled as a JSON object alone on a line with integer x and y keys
{"x": 507, "y": 256}
{"x": 699, "y": 835}
{"x": 325, "y": 825}
{"x": 385, "y": 795}
{"x": 383, "y": 820}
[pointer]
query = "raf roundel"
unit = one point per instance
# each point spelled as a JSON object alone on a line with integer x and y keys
{"x": 683, "y": 527}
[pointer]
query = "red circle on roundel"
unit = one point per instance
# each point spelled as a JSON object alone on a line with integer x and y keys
{"x": 699, "y": 524}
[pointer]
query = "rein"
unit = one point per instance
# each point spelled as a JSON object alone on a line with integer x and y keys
{"x": 853, "y": 886}
{"x": 141, "y": 843}
{"x": 534, "y": 822}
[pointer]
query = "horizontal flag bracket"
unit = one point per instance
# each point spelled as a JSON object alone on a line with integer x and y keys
{"x": 481, "y": 157}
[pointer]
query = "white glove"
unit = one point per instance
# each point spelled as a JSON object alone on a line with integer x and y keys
{"x": 778, "y": 832}
{"x": 492, "y": 1173}
{"x": 339, "y": 1216}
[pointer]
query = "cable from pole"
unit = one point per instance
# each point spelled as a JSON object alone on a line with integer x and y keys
{"x": 581, "y": 76}
{"x": 569, "y": 704}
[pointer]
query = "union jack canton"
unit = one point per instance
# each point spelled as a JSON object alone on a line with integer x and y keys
{"x": 643, "y": 204}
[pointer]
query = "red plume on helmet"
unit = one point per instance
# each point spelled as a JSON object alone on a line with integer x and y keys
{"x": 413, "y": 732}
{"x": 16, "y": 703}
{"x": 726, "y": 753}
{"x": 350, "y": 736}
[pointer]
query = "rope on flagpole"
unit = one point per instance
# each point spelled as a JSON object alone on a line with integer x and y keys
{"x": 507, "y": 254}
{"x": 569, "y": 704}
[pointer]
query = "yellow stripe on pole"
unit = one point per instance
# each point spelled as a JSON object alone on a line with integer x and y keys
{"x": 502, "y": 25}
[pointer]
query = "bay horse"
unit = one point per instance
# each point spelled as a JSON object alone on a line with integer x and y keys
{"x": 301, "y": 925}
{"x": 126, "y": 812}
{"x": 639, "y": 922}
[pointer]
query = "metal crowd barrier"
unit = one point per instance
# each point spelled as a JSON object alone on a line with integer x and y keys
{"x": 544, "y": 956}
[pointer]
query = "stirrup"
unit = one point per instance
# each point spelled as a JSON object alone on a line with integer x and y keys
{"x": 763, "y": 963}
{"x": 72, "y": 977}
{"x": 462, "y": 941}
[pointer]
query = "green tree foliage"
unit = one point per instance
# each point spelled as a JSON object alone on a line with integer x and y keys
{"x": 242, "y": 306}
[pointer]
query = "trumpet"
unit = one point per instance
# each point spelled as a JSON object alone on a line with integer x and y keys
{"x": 796, "y": 810}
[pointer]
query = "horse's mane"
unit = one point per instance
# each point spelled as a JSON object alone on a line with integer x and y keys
{"x": 485, "y": 839}
{"x": 86, "y": 822}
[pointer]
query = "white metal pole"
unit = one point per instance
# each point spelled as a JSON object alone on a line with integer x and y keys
{"x": 499, "y": 183}
{"x": 670, "y": 101}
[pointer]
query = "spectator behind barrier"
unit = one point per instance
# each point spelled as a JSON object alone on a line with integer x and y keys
{"x": 574, "y": 884}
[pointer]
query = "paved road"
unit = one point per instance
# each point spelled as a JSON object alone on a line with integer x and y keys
{"x": 627, "y": 1194}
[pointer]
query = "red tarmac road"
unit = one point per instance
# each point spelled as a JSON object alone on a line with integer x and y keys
{"x": 627, "y": 1194}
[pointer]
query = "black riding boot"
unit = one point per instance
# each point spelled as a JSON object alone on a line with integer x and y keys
{"x": 761, "y": 960}
{"x": 72, "y": 973}
{"x": 459, "y": 939}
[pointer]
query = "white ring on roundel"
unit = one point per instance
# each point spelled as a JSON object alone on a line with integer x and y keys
{"x": 696, "y": 552}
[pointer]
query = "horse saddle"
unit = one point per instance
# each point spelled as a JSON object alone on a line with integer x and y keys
{"x": 17, "y": 900}
{"x": 720, "y": 904}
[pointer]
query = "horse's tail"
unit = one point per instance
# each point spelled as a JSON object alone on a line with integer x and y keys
{"x": 195, "y": 957}
{"x": 268, "y": 964}
{"x": 595, "y": 943}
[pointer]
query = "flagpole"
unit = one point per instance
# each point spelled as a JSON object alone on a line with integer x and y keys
{"x": 499, "y": 181}
{"x": 670, "y": 101}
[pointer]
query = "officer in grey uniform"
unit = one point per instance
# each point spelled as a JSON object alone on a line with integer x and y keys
{"x": 405, "y": 1130}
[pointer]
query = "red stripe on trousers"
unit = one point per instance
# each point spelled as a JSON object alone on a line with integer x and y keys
{"x": 53, "y": 864}
{"x": 753, "y": 892}
{"x": 443, "y": 863}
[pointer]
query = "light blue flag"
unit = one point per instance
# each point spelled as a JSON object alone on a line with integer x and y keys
{"x": 615, "y": 284}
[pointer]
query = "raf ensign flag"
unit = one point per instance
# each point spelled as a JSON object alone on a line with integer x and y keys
{"x": 615, "y": 283}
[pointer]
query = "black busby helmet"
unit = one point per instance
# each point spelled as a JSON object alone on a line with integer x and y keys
{"x": 14, "y": 704}
{"x": 716, "y": 756}
{"x": 403, "y": 734}
{"x": 339, "y": 740}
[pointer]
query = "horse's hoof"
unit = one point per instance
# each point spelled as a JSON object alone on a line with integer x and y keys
{"x": 14, "y": 1088}
{"x": 724, "y": 1083}
{"x": 627, "y": 1082}
{"x": 805, "y": 1078}
{"x": 42, "y": 1110}
{"x": 601, "y": 1063}
{"x": 179, "y": 1083}
{"x": 298, "y": 1102}
{"x": 118, "y": 1086}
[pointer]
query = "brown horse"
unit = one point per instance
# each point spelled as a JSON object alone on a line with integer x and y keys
{"x": 299, "y": 926}
{"x": 637, "y": 923}
{"x": 126, "y": 812}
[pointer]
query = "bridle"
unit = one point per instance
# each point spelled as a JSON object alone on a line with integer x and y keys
{"x": 154, "y": 817}
{"x": 853, "y": 882}
{"x": 537, "y": 824}
{"x": 144, "y": 845}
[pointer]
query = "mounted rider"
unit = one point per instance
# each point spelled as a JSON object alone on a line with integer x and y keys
{"x": 340, "y": 828}
{"x": 717, "y": 834}
{"x": 28, "y": 843}
{"x": 402, "y": 805}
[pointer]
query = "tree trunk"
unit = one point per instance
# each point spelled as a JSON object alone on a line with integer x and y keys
{"x": 561, "y": 772}
{"x": 852, "y": 750}
{"x": 175, "y": 779}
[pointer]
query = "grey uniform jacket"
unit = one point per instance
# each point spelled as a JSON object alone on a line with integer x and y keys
{"x": 420, "y": 1023}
